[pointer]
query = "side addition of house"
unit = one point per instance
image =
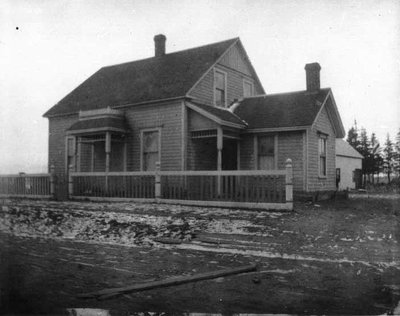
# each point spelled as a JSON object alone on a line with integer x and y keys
{"x": 348, "y": 166}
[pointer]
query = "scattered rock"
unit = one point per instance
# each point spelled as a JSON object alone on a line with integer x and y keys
{"x": 256, "y": 280}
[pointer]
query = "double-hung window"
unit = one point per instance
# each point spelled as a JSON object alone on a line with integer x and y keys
{"x": 71, "y": 151}
{"x": 150, "y": 149}
{"x": 322, "y": 155}
{"x": 248, "y": 88}
{"x": 220, "y": 88}
{"x": 266, "y": 152}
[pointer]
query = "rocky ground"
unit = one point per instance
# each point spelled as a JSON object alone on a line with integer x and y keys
{"x": 334, "y": 257}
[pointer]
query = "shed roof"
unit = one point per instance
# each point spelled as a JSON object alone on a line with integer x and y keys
{"x": 157, "y": 78}
{"x": 344, "y": 149}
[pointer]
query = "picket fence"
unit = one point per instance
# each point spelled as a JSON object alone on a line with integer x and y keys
{"x": 256, "y": 189}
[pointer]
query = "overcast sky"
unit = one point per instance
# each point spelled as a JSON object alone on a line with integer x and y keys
{"x": 48, "y": 47}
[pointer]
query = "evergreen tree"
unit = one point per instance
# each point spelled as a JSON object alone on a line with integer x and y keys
{"x": 397, "y": 154}
{"x": 389, "y": 157}
{"x": 352, "y": 137}
{"x": 363, "y": 149}
{"x": 376, "y": 157}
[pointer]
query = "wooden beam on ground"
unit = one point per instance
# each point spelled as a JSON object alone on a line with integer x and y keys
{"x": 171, "y": 241}
{"x": 109, "y": 293}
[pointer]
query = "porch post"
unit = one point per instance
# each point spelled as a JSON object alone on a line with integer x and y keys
{"x": 157, "y": 191}
{"x": 238, "y": 154}
{"x": 70, "y": 181}
{"x": 289, "y": 184}
{"x": 52, "y": 180}
{"x": 78, "y": 154}
{"x": 108, "y": 150}
{"x": 220, "y": 142}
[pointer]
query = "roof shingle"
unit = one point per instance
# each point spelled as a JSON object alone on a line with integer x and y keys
{"x": 168, "y": 76}
{"x": 221, "y": 113}
{"x": 281, "y": 110}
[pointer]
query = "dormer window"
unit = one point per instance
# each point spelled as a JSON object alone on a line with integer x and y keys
{"x": 248, "y": 88}
{"x": 220, "y": 88}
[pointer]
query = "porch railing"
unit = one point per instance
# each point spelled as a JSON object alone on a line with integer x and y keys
{"x": 28, "y": 185}
{"x": 264, "y": 189}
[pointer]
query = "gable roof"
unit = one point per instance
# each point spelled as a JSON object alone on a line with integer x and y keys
{"x": 343, "y": 148}
{"x": 156, "y": 78}
{"x": 292, "y": 109}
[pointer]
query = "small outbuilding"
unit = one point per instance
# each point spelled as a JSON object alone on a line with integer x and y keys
{"x": 348, "y": 166}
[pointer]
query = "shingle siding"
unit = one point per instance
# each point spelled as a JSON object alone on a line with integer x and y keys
{"x": 315, "y": 182}
{"x": 290, "y": 145}
{"x": 203, "y": 91}
{"x": 57, "y": 129}
{"x": 235, "y": 84}
{"x": 167, "y": 117}
{"x": 247, "y": 159}
{"x": 234, "y": 59}
{"x": 236, "y": 68}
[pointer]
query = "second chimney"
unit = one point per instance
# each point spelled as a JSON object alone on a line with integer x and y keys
{"x": 159, "y": 45}
{"x": 312, "y": 76}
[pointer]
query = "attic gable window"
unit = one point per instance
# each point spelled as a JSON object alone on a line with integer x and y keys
{"x": 220, "y": 88}
{"x": 322, "y": 155}
{"x": 248, "y": 88}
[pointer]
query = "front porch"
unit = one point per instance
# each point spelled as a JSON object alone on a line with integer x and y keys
{"x": 98, "y": 142}
{"x": 97, "y": 157}
{"x": 257, "y": 189}
{"x": 214, "y": 149}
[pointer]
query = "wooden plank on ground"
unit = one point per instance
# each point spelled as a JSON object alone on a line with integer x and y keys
{"x": 171, "y": 241}
{"x": 109, "y": 293}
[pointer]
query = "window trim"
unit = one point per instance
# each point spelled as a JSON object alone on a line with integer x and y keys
{"x": 145, "y": 130}
{"x": 67, "y": 138}
{"x": 215, "y": 86}
{"x": 325, "y": 138}
{"x": 256, "y": 153}
{"x": 248, "y": 81}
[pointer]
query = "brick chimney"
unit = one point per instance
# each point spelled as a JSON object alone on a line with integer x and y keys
{"x": 159, "y": 45}
{"x": 312, "y": 76}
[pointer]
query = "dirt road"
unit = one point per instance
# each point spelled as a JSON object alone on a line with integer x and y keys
{"x": 340, "y": 263}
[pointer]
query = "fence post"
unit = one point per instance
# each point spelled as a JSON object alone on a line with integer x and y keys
{"x": 52, "y": 181}
{"x": 70, "y": 181}
{"x": 157, "y": 191}
{"x": 289, "y": 184}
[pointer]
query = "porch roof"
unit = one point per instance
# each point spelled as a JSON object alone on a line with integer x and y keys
{"x": 220, "y": 115}
{"x": 102, "y": 124}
